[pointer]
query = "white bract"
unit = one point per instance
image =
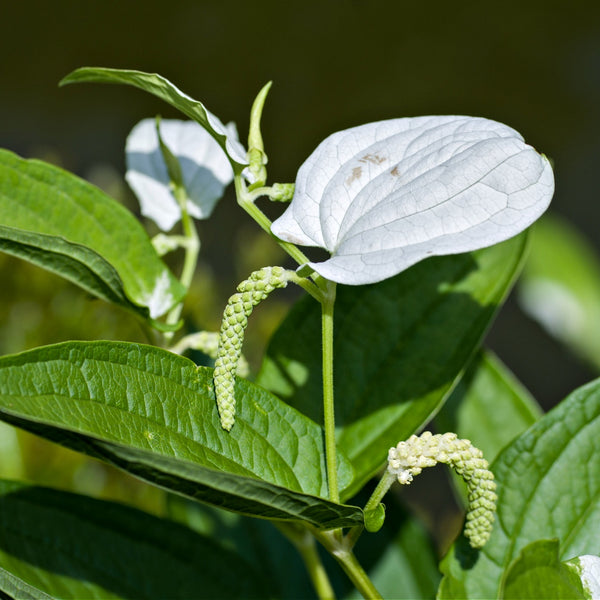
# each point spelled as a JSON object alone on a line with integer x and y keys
{"x": 587, "y": 568}
{"x": 383, "y": 196}
{"x": 205, "y": 169}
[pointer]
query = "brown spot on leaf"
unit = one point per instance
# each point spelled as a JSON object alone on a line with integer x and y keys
{"x": 395, "y": 172}
{"x": 374, "y": 159}
{"x": 356, "y": 173}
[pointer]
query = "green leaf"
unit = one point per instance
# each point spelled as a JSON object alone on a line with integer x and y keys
{"x": 539, "y": 573}
{"x": 57, "y": 544}
{"x": 399, "y": 347}
{"x": 153, "y": 414}
{"x": 488, "y": 406}
{"x": 560, "y": 287}
{"x": 548, "y": 487}
{"x": 162, "y": 88}
{"x": 68, "y": 226}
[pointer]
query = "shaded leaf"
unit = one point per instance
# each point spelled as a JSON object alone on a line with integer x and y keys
{"x": 400, "y": 558}
{"x": 57, "y": 544}
{"x": 399, "y": 347}
{"x": 162, "y": 88}
{"x": 548, "y": 487}
{"x": 68, "y": 226}
{"x": 153, "y": 414}
{"x": 488, "y": 406}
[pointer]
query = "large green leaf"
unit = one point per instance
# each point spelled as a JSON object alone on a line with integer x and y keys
{"x": 66, "y": 225}
{"x": 153, "y": 413}
{"x": 162, "y": 88}
{"x": 548, "y": 487}
{"x": 57, "y": 544}
{"x": 488, "y": 406}
{"x": 399, "y": 347}
{"x": 561, "y": 286}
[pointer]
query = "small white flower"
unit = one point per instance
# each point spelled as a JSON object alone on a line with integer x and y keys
{"x": 205, "y": 168}
{"x": 383, "y": 196}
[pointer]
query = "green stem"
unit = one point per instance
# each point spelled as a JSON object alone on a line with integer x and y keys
{"x": 304, "y": 542}
{"x": 357, "y": 575}
{"x": 345, "y": 557}
{"x": 246, "y": 201}
{"x": 192, "y": 249}
{"x": 327, "y": 306}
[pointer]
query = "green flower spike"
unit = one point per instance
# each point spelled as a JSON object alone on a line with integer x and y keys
{"x": 409, "y": 458}
{"x": 235, "y": 320}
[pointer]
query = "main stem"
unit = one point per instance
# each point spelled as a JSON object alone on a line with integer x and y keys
{"x": 327, "y": 305}
{"x": 304, "y": 542}
{"x": 192, "y": 248}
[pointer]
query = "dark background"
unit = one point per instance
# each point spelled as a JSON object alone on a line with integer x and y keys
{"x": 533, "y": 64}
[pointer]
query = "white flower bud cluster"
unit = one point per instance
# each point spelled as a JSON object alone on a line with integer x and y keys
{"x": 235, "y": 320}
{"x": 409, "y": 458}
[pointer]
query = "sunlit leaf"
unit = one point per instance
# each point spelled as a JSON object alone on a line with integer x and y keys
{"x": 539, "y": 573}
{"x": 548, "y": 487}
{"x": 62, "y": 223}
{"x": 383, "y": 196}
{"x": 153, "y": 414}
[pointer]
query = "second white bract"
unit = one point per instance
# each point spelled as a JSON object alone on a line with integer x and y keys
{"x": 205, "y": 169}
{"x": 383, "y": 196}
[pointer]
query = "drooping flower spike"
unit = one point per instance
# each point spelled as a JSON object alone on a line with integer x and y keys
{"x": 383, "y": 196}
{"x": 235, "y": 320}
{"x": 409, "y": 458}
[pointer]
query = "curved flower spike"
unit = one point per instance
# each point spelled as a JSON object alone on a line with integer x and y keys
{"x": 235, "y": 320}
{"x": 205, "y": 169}
{"x": 409, "y": 458}
{"x": 383, "y": 196}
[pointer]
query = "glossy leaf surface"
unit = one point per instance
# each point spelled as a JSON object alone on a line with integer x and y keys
{"x": 548, "y": 487}
{"x": 59, "y": 545}
{"x": 383, "y": 196}
{"x": 162, "y": 88}
{"x": 68, "y": 226}
{"x": 153, "y": 414}
{"x": 399, "y": 347}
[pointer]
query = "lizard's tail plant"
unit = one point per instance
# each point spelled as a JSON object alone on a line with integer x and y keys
{"x": 378, "y": 199}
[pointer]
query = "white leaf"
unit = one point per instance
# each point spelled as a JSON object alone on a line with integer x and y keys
{"x": 205, "y": 168}
{"x": 383, "y": 196}
{"x": 587, "y": 568}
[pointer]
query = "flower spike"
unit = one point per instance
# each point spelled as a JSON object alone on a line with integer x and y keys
{"x": 409, "y": 458}
{"x": 235, "y": 320}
